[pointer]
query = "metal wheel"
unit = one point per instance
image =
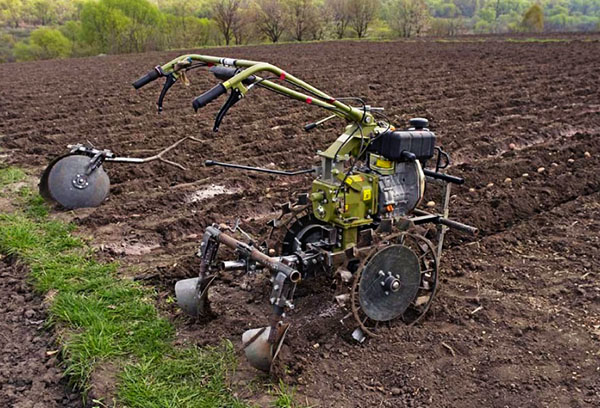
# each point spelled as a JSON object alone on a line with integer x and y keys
{"x": 374, "y": 311}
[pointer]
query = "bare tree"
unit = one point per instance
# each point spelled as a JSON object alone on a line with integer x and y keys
{"x": 408, "y": 17}
{"x": 340, "y": 14}
{"x": 240, "y": 29}
{"x": 362, "y": 13}
{"x": 227, "y": 15}
{"x": 269, "y": 18}
{"x": 301, "y": 16}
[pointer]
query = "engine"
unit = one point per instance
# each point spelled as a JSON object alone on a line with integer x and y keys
{"x": 390, "y": 186}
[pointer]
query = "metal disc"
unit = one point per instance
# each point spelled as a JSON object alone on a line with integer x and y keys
{"x": 389, "y": 283}
{"x": 67, "y": 183}
{"x": 43, "y": 185}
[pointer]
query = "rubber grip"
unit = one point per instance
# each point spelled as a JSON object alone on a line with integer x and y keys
{"x": 445, "y": 177}
{"x": 226, "y": 73}
{"x": 208, "y": 96}
{"x": 146, "y": 79}
{"x": 309, "y": 127}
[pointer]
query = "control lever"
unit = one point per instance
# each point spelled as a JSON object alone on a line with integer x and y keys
{"x": 311, "y": 126}
{"x": 168, "y": 84}
{"x": 234, "y": 97}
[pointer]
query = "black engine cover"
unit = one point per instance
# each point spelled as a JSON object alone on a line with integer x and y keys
{"x": 391, "y": 144}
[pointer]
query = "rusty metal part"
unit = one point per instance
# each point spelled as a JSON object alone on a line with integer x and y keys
{"x": 440, "y": 219}
{"x": 251, "y": 252}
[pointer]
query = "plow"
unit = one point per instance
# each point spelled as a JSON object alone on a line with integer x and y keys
{"x": 361, "y": 224}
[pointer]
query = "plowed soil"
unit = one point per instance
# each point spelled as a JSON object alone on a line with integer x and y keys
{"x": 517, "y": 320}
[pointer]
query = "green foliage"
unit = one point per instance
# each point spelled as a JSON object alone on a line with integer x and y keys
{"x": 446, "y": 27}
{"x": 44, "y": 43}
{"x": 116, "y": 26}
{"x": 407, "y": 17}
{"x": 42, "y": 11}
{"x": 11, "y": 12}
{"x": 533, "y": 19}
{"x": 7, "y": 44}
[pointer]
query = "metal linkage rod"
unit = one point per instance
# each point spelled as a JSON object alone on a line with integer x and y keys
{"x": 259, "y": 169}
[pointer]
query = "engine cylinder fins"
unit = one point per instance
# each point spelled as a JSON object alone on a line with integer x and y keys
{"x": 192, "y": 295}
{"x": 69, "y": 182}
{"x": 367, "y": 305}
{"x": 389, "y": 283}
{"x": 259, "y": 351}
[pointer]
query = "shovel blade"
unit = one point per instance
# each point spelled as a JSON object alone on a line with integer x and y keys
{"x": 259, "y": 351}
{"x": 192, "y": 295}
{"x": 187, "y": 296}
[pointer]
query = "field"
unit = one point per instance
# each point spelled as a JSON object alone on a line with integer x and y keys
{"x": 517, "y": 319}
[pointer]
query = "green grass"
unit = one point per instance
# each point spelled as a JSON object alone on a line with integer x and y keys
{"x": 102, "y": 318}
{"x": 537, "y": 40}
{"x": 9, "y": 175}
{"x": 285, "y": 396}
{"x": 184, "y": 378}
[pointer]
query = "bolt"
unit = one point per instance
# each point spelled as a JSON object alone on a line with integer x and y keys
{"x": 276, "y": 287}
{"x": 272, "y": 300}
{"x": 382, "y": 283}
{"x": 381, "y": 273}
{"x": 314, "y": 261}
{"x": 387, "y": 293}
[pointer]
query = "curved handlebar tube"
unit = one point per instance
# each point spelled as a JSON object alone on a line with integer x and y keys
{"x": 248, "y": 74}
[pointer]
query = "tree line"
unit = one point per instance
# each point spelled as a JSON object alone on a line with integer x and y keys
{"x": 39, "y": 29}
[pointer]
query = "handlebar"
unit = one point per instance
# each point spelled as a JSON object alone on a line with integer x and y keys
{"x": 238, "y": 72}
{"x": 225, "y": 73}
{"x": 209, "y": 96}
{"x": 149, "y": 77}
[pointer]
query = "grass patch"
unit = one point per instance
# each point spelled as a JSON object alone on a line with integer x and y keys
{"x": 285, "y": 396}
{"x": 197, "y": 374}
{"x": 537, "y": 40}
{"x": 10, "y": 175}
{"x": 105, "y": 318}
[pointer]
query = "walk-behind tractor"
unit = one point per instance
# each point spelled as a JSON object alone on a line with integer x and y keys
{"x": 360, "y": 224}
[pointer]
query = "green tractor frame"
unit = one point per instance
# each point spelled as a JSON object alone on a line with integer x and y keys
{"x": 360, "y": 224}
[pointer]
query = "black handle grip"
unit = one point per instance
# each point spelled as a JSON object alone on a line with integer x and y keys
{"x": 309, "y": 127}
{"x": 208, "y": 96}
{"x": 445, "y": 177}
{"x": 149, "y": 77}
{"x": 225, "y": 73}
